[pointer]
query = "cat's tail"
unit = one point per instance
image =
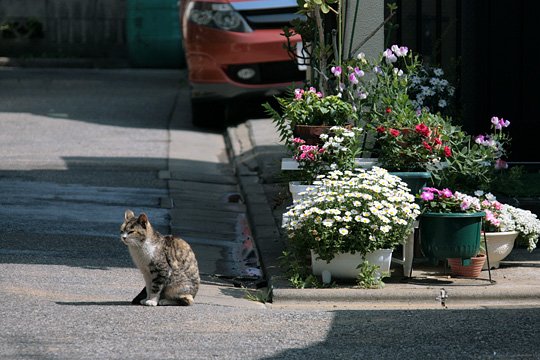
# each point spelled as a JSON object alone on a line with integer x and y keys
{"x": 183, "y": 300}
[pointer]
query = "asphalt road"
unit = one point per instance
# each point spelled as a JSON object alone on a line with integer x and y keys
{"x": 77, "y": 147}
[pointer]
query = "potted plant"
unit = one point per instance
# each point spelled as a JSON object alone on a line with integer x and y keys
{"x": 351, "y": 214}
{"x": 450, "y": 225}
{"x": 407, "y": 140}
{"x": 476, "y": 162}
{"x": 338, "y": 150}
{"x": 503, "y": 224}
{"x": 307, "y": 114}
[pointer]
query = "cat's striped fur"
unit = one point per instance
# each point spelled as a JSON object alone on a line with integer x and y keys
{"x": 168, "y": 264}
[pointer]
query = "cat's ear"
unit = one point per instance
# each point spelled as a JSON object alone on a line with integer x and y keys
{"x": 128, "y": 215}
{"x": 143, "y": 220}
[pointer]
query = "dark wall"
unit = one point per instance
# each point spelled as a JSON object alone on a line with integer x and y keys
{"x": 488, "y": 49}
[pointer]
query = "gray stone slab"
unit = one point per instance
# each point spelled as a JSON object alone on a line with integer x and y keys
{"x": 177, "y": 185}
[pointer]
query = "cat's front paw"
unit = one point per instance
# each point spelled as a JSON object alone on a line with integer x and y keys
{"x": 149, "y": 302}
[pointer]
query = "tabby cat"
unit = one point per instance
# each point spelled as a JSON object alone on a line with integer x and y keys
{"x": 168, "y": 264}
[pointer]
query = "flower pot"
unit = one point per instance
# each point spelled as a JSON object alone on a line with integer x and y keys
{"x": 473, "y": 269}
{"x": 345, "y": 266}
{"x": 415, "y": 180}
{"x": 450, "y": 235}
{"x": 499, "y": 246}
{"x": 311, "y": 133}
{"x": 296, "y": 187}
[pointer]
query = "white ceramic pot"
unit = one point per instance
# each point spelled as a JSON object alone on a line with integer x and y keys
{"x": 499, "y": 246}
{"x": 295, "y": 187}
{"x": 344, "y": 266}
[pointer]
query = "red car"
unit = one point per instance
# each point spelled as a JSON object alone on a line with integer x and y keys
{"x": 234, "y": 49}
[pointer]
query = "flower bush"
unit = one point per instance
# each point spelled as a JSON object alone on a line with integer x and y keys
{"x": 420, "y": 143}
{"x": 446, "y": 201}
{"x": 428, "y": 89}
{"x": 406, "y": 138}
{"x": 338, "y": 150}
{"x": 373, "y": 87}
{"x": 503, "y": 217}
{"x": 477, "y": 162}
{"x": 309, "y": 107}
{"x": 358, "y": 211}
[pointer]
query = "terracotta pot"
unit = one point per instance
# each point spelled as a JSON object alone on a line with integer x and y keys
{"x": 473, "y": 269}
{"x": 311, "y": 133}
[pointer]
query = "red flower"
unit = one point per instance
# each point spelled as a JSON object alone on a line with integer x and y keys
{"x": 423, "y": 130}
{"x": 427, "y": 146}
{"x": 381, "y": 129}
{"x": 437, "y": 141}
{"x": 394, "y": 132}
{"x": 388, "y": 110}
{"x": 447, "y": 151}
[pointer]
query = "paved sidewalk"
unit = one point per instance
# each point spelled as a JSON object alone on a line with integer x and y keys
{"x": 256, "y": 152}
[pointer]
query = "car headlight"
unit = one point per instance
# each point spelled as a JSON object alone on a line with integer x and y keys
{"x": 218, "y": 16}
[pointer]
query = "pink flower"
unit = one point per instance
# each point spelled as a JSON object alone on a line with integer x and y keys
{"x": 427, "y": 196}
{"x": 465, "y": 204}
{"x": 336, "y": 70}
{"x": 492, "y": 218}
{"x": 298, "y": 94}
{"x": 299, "y": 141}
{"x": 447, "y": 193}
{"x": 353, "y": 79}
{"x": 394, "y": 132}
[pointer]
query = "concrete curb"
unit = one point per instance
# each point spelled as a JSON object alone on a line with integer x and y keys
{"x": 244, "y": 145}
{"x": 264, "y": 228}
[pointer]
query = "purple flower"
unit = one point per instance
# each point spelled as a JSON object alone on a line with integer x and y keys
{"x": 479, "y": 139}
{"x": 361, "y": 95}
{"x": 400, "y": 50}
{"x": 504, "y": 123}
{"x": 389, "y": 56}
{"x": 358, "y": 72}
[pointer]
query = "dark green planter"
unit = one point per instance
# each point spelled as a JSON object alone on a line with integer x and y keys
{"x": 415, "y": 180}
{"x": 450, "y": 235}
